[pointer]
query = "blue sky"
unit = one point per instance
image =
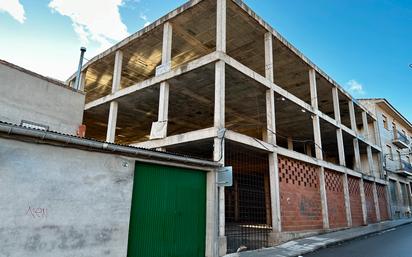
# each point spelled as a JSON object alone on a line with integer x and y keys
{"x": 366, "y": 45}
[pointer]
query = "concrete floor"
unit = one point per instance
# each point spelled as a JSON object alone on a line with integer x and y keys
{"x": 393, "y": 243}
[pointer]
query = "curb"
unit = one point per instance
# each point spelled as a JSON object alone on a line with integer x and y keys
{"x": 366, "y": 235}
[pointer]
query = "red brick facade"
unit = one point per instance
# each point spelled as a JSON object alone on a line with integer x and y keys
{"x": 355, "y": 201}
{"x": 336, "y": 199}
{"x": 370, "y": 204}
{"x": 383, "y": 203}
{"x": 300, "y": 202}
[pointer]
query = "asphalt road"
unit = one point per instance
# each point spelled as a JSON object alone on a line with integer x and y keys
{"x": 393, "y": 243}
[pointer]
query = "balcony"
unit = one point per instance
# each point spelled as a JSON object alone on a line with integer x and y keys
{"x": 405, "y": 168}
{"x": 400, "y": 140}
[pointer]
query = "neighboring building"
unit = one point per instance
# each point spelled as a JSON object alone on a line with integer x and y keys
{"x": 396, "y": 141}
{"x": 33, "y": 100}
{"x": 212, "y": 79}
{"x": 67, "y": 196}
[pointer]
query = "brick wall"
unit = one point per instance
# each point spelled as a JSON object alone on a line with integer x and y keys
{"x": 300, "y": 202}
{"x": 355, "y": 201}
{"x": 370, "y": 205}
{"x": 336, "y": 199}
{"x": 382, "y": 199}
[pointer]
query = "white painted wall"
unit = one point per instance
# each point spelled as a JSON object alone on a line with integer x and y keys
{"x": 63, "y": 202}
{"x": 27, "y": 97}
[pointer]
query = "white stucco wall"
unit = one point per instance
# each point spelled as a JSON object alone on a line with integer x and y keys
{"x": 24, "y": 96}
{"x": 63, "y": 202}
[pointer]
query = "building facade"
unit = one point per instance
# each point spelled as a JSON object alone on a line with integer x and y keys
{"x": 396, "y": 142}
{"x": 212, "y": 79}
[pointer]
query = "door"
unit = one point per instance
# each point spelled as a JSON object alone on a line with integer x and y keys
{"x": 168, "y": 216}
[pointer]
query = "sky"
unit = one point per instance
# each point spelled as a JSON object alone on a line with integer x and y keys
{"x": 365, "y": 45}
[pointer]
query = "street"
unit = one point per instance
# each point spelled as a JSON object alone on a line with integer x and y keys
{"x": 392, "y": 243}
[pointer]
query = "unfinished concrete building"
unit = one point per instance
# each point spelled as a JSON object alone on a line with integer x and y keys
{"x": 211, "y": 79}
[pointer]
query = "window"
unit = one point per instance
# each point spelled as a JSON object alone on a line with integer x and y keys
{"x": 408, "y": 159}
{"x": 385, "y": 121}
{"x": 398, "y": 153}
{"x": 389, "y": 154}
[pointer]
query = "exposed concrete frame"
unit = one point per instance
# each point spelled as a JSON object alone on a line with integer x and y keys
{"x": 376, "y": 203}
{"x": 363, "y": 202}
{"x": 114, "y": 106}
{"x": 248, "y": 10}
{"x": 271, "y": 138}
{"x": 318, "y": 148}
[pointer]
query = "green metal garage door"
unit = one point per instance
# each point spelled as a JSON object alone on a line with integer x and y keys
{"x": 168, "y": 216}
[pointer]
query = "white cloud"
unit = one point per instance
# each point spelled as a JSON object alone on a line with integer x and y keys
{"x": 145, "y": 19}
{"x": 14, "y": 8}
{"x": 354, "y": 87}
{"x": 94, "y": 20}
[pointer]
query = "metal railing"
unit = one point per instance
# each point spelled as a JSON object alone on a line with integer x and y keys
{"x": 401, "y": 137}
{"x": 406, "y": 166}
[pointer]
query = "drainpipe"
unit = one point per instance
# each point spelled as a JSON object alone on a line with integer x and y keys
{"x": 42, "y": 135}
{"x": 79, "y": 69}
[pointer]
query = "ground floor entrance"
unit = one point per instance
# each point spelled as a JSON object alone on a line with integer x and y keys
{"x": 168, "y": 216}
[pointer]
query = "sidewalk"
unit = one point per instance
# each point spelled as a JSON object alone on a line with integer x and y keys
{"x": 306, "y": 245}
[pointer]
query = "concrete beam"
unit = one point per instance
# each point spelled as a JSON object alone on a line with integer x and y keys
{"x": 249, "y": 141}
{"x": 207, "y": 59}
{"x": 179, "y": 139}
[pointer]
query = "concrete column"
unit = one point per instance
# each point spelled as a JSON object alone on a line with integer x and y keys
{"x": 114, "y": 106}
{"x": 347, "y": 200}
{"x": 313, "y": 89}
{"x": 221, "y": 26}
{"x": 117, "y": 72}
{"x": 363, "y": 202}
{"x": 269, "y": 72}
{"x": 271, "y": 138}
{"x": 370, "y": 160}
{"x": 290, "y": 143}
{"x": 211, "y": 215}
{"x": 352, "y": 116}
{"x": 358, "y": 166}
{"x": 377, "y": 134}
{"x": 341, "y": 147}
{"x": 317, "y": 137}
{"x": 323, "y": 198}
{"x": 318, "y": 147}
{"x": 163, "y": 115}
{"x": 336, "y": 107}
{"x": 365, "y": 125}
{"x": 82, "y": 80}
{"x": 111, "y": 125}
{"x": 376, "y": 202}
{"x": 219, "y": 146}
{"x": 167, "y": 44}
